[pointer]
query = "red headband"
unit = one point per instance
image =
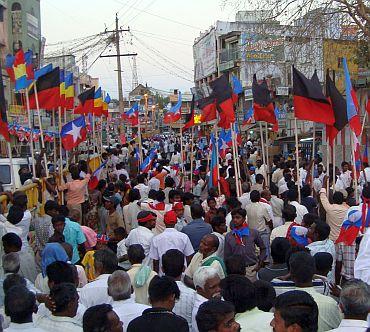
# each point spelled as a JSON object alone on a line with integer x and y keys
{"x": 145, "y": 219}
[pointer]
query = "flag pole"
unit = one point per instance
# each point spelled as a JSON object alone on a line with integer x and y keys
{"x": 65, "y": 121}
{"x": 354, "y": 168}
{"x": 262, "y": 145}
{"x": 334, "y": 157}
{"x": 41, "y": 130}
{"x": 191, "y": 157}
{"x": 60, "y": 148}
{"x": 182, "y": 153}
{"x": 31, "y": 137}
{"x": 363, "y": 124}
{"x": 234, "y": 159}
{"x": 55, "y": 139}
{"x": 94, "y": 140}
{"x": 267, "y": 156}
{"x": 140, "y": 148}
{"x": 327, "y": 167}
{"x": 237, "y": 161}
{"x": 11, "y": 165}
{"x": 313, "y": 152}
{"x": 297, "y": 159}
{"x": 218, "y": 160}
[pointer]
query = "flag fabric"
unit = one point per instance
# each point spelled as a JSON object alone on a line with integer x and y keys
{"x": 86, "y": 102}
{"x": 338, "y": 104}
{"x": 223, "y": 93}
{"x": 213, "y": 179}
{"x": 262, "y": 102}
{"x": 89, "y": 124}
{"x": 148, "y": 161}
{"x": 365, "y": 156}
{"x": 48, "y": 91}
{"x": 105, "y": 105}
{"x": 44, "y": 70}
{"x": 28, "y": 56}
{"x": 132, "y": 115}
{"x": 9, "y": 63}
{"x": 3, "y": 118}
{"x": 209, "y": 109}
{"x": 224, "y": 142}
{"x": 189, "y": 118}
{"x": 62, "y": 88}
{"x": 350, "y": 228}
{"x": 69, "y": 91}
{"x": 309, "y": 101}
{"x": 237, "y": 88}
{"x": 275, "y": 127}
{"x": 174, "y": 114}
{"x": 247, "y": 117}
{"x": 352, "y": 103}
{"x": 98, "y": 102}
{"x": 22, "y": 71}
{"x": 238, "y": 137}
{"x": 95, "y": 176}
{"x": 73, "y": 133}
{"x": 357, "y": 153}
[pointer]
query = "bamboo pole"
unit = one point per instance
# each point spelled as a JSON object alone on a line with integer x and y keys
{"x": 218, "y": 160}
{"x": 191, "y": 157}
{"x": 262, "y": 146}
{"x": 31, "y": 135}
{"x": 327, "y": 167}
{"x": 267, "y": 156}
{"x": 55, "y": 140}
{"x": 297, "y": 159}
{"x": 12, "y": 174}
{"x": 234, "y": 159}
{"x": 354, "y": 168}
{"x": 65, "y": 121}
{"x": 60, "y": 148}
{"x": 334, "y": 157}
{"x": 313, "y": 152}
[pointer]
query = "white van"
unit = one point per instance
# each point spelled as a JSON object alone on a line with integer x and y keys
{"x": 5, "y": 172}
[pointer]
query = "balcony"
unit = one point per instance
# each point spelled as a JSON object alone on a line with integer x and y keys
{"x": 228, "y": 57}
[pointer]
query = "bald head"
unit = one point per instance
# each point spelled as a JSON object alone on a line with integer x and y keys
{"x": 119, "y": 286}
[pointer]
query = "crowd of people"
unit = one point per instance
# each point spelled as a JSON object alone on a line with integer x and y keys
{"x": 162, "y": 250}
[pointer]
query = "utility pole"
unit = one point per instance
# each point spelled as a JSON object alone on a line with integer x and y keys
{"x": 118, "y": 56}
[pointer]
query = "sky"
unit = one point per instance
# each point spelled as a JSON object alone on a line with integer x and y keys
{"x": 162, "y": 34}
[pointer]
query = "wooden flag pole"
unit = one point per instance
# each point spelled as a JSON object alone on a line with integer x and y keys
{"x": 191, "y": 157}
{"x": 267, "y": 155}
{"x": 140, "y": 146}
{"x": 297, "y": 160}
{"x": 55, "y": 140}
{"x": 237, "y": 169}
{"x": 234, "y": 159}
{"x": 327, "y": 167}
{"x": 41, "y": 130}
{"x": 334, "y": 152}
{"x": 60, "y": 148}
{"x": 182, "y": 154}
{"x": 354, "y": 168}
{"x": 262, "y": 145}
{"x": 218, "y": 159}
{"x": 363, "y": 124}
{"x": 12, "y": 174}
{"x": 31, "y": 136}
{"x": 65, "y": 121}
{"x": 94, "y": 142}
{"x": 313, "y": 152}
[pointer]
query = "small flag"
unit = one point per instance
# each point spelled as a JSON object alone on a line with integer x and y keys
{"x": 189, "y": 119}
{"x": 86, "y": 100}
{"x": 213, "y": 179}
{"x": 69, "y": 91}
{"x": 22, "y": 71}
{"x": 237, "y": 88}
{"x": 98, "y": 102}
{"x": 73, "y": 133}
{"x": 174, "y": 114}
{"x": 350, "y": 228}
{"x": 62, "y": 88}
{"x": 105, "y": 105}
{"x": 224, "y": 142}
{"x": 95, "y": 176}
{"x": 148, "y": 161}
{"x": 352, "y": 103}
{"x": 247, "y": 118}
{"x": 132, "y": 115}
{"x": 275, "y": 127}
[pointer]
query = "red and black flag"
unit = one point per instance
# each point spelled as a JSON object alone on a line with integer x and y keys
{"x": 309, "y": 101}
{"x": 48, "y": 91}
{"x": 3, "y": 118}
{"x": 339, "y": 106}
{"x": 189, "y": 118}
{"x": 208, "y": 107}
{"x": 223, "y": 93}
{"x": 86, "y": 104}
{"x": 263, "y": 106}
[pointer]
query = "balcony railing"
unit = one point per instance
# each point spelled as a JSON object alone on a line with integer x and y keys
{"x": 230, "y": 54}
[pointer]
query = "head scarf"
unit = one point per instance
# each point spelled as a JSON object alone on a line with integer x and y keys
{"x": 52, "y": 252}
{"x": 298, "y": 236}
{"x": 239, "y": 232}
{"x": 91, "y": 237}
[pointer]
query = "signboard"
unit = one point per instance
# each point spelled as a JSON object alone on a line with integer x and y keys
{"x": 282, "y": 91}
{"x": 262, "y": 48}
{"x": 204, "y": 54}
{"x": 17, "y": 110}
{"x": 32, "y": 26}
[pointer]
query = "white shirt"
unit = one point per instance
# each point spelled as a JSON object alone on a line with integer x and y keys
{"x": 58, "y": 324}
{"x": 169, "y": 239}
{"x": 153, "y": 184}
{"x": 184, "y": 306}
{"x": 95, "y": 292}
{"x": 122, "y": 251}
{"x": 301, "y": 211}
{"x": 23, "y": 327}
{"x": 361, "y": 179}
{"x": 130, "y": 212}
{"x": 352, "y": 325}
{"x": 140, "y": 235}
{"x": 127, "y": 310}
{"x": 199, "y": 299}
{"x": 221, "y": 244}
{"x": 362, "y": 262}
{"x": 143, "y": 189}
{"x": 244, "y": 200}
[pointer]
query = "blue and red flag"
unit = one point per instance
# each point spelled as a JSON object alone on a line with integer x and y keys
{"x": 95, "y": 176}
{"x": 350, "y": 228}
{"x": 73, "y": 133}
{"x": 148, "y": 161}
{"x": 174, "y": 114}
{"x": 298, "y": 236}
{"x": 352, "y": 103}
{"x": 247, "y": 118}
{"x": 237, "y": 88}
{"x": 106, "y": 102}
{"x": 213, "y": 179}
{"x": 224, "y": 142}
{"x": 23, "y": 71}
{"x": 132, "y": 115}
{"x": 275, "y": 127}
{"x": 365, "y": 156}
{"x": 357, "y": 154}
{"x": 9, "y": 62}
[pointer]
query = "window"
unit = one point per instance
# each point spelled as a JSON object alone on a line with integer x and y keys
{"x": 16, "y": 6}
{"x": 5, "y": 177}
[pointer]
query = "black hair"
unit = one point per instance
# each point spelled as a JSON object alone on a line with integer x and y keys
{"x": 289, "y": 213}
{"x": 366, "y": 191}
{"x": 160, "y": 196}
{"x": 211, "y": 313}
{"x": 338, "y": 198}
{"x": 110, "y": 187}
{"x": 62, "y": 295}
{"x": 217, "y": 221}
{"x": 101, "y": 184}
{"x": 302, "y": 267}
{"x": 279, "y": 249}
{"x": 173, "y": 263}
{"x": 19, "y": 304}
{"x": 240, "y": 291}
{"x": 95, "y": 318}
{"x": 58, "y": 218}
{"x": 223, "y": 211}
{"x": 255, "y": 196}
{"x": 292, "y": 195}
{"x": 134, "y": 195}
{"x": 169, "y": 182}
{"x": 120, "y": 231}
{"x": 259, "y": 178}
{"x": 232, "y": 203}
{"x": 265, "y": 295}
{"x": 196, "y": 211}
{"x": 59, "y": 272}
{"x": 298, "y": 307}
{"x": 13, "y": 240}
{"x": 187, "y": 197}
{"x": 211, "y": 199}
{"x": 63, "y": 210}
{"x": 172, "y": 193}
{"x": 20, "y": 199}
{"x": 135, "y": 253}
{"x": 15, "y": 214}
{"x": 235, "y": 264}
{"x": 152, "y": 194}
{"x": 323, "y": 230}
{"x": 310, "y": 219}
{"x": 141, "y": 178}
{"x": 108, "y": 259}
{"x": 274, "y": 189}
{"x": 51, "y": 205}
{"x": 12, "y": 280}
{"x": 239, "y": 211}
{"x": 306, "y": 191}
{"x": 160, "y": 288}
{"x": 323, "y": 262}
